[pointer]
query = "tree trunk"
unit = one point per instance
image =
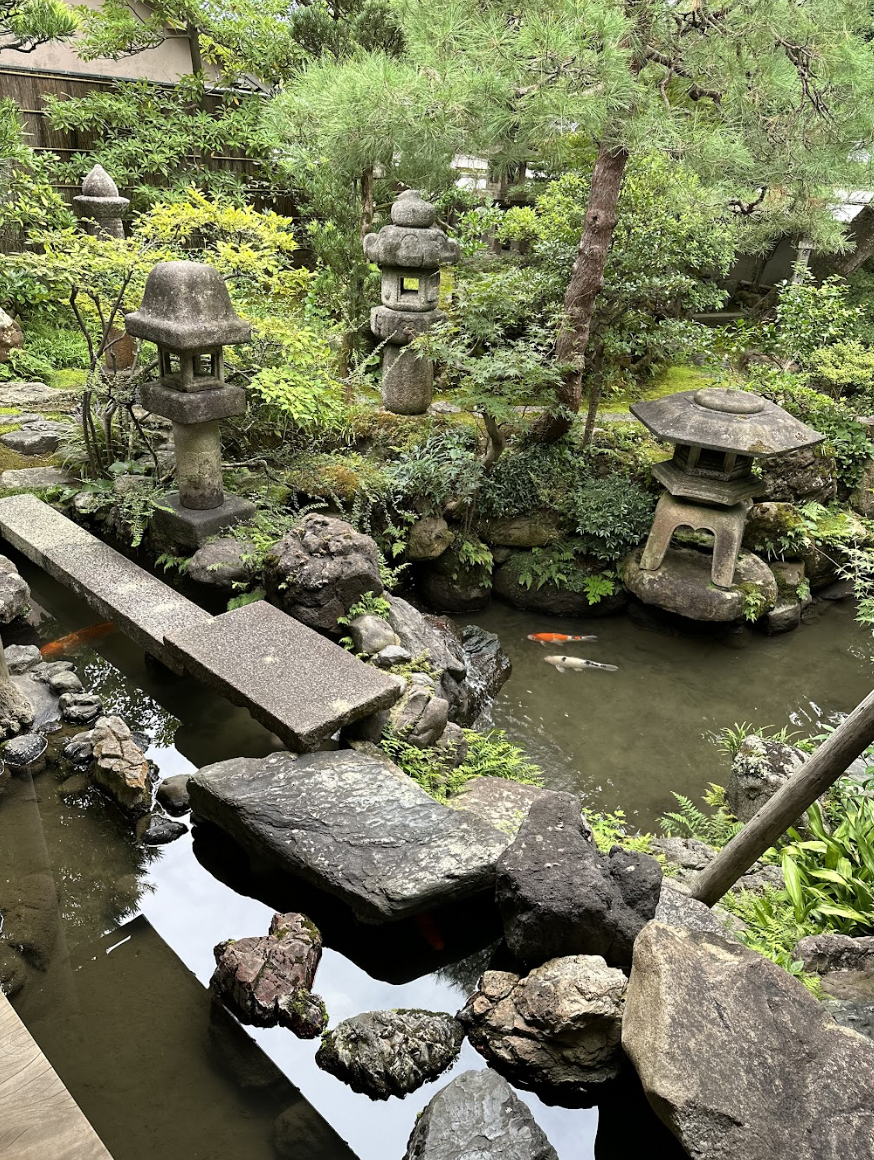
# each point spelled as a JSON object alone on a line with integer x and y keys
{"x": 861, "y": 238}
{"x": 583, "y": 289}
{"x": 366, "y": 201}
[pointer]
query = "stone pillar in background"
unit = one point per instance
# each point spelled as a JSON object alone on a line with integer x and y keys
{"x": 186, "y": 311}
{"x": 100, "y": 206}
{"x": 409, "y": 253}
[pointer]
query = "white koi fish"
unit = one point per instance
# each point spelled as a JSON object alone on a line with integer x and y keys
{"x": 562, "y": 663}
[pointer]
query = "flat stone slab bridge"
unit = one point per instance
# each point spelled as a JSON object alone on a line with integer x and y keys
{"x": 292, "y": 680}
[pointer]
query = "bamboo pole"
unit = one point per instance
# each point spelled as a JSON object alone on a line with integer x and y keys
{"x": 851, "y": 738}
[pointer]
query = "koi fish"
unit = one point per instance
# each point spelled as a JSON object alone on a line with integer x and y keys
{"x": 76, "y": 640}
{"x": 562, "y": 663}
{"x": 555, "y": 637}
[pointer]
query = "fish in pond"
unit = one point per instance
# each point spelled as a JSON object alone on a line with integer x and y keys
{"x": 76, "y": 640}
{"x": 562, "y": 663}
{"x": 556, "y": 637}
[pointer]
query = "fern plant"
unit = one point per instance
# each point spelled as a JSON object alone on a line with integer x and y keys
{"x": 716, "y": 828}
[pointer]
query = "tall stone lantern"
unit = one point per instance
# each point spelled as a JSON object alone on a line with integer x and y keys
{"x": 186, "y": 311}
{"x": 717, "y": 434}
{"x": 409, "y": 253}
{"x": 100, "y": 205}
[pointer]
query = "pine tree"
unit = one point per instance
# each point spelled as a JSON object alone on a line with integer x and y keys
{"x": 26, "y": 24}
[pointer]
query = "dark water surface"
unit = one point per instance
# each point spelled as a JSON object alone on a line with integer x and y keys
{"x": 119, "y": 1009}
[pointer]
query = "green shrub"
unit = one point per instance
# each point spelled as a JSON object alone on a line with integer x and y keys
{"x": 612, "y": 516}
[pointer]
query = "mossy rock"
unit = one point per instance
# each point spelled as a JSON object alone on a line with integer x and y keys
{"x": 449, "y": 585}
{"x": 549, "y": 598}
{"x": 683, "y": 585}
{"x": 777, "y": 528}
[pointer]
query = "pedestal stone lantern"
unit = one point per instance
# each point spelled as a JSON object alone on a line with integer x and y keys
{"x": 717, "y": 434}
{"x": 409, "y": 253}
{"x": 100, "y": 205}
{"x": 186, "y": 311}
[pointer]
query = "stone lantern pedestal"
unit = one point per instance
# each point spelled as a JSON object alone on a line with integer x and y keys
{"x": 187, "y": 313}
{"x": 100, "y": 205}
{"x": 409, "y": 253}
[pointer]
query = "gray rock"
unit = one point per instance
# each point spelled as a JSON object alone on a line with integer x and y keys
{"x": 824, "y": 953}
{"x": 840, "y": 590}
{"x": 33, "y": 395}
{"x": 352, "y": 825}
{"x": 555, "y": 1031}
{"x": 450, "y": 585}
{"x": 76, "y": 786}
{"x": 14, "y": 592}
{"x": 65, "y": 683}
{"x": 13, "y": 971}
{"x": 683, "y": 585}
{"x": 21, "y": 658}
{"x": 733, "y": 1054}
{"x": 452, "y": 745}
{"x": 390, "y": 1053}
{"x": 80, "y": 749}
{"x": 783, "y": 617}
{"x": 31, "y": 918}
{"x": 428, "y": 538}
{"x": 42, "y": 438}
{"x": 420, "y": 717}
{"x": 173, "y": 794}
{"x": 676, "y": 908}
{"x": 478, "y": 1116}
{"x": 488, "y": 666}
{"x": 46, "y": 671}
{"x": 853, "y": 1014}
{"x": 269, "y": 980}
{"x": 390, "y": 657}
{"x": 320, "y": 569}
{"x": 156, "y": 830}
{"x": 11, "y": 336}
{"x": 558, "y": 896}
{"x": 222, "y": 563}
{"x": 798, "y": 476}
{"x": 686, "y": 853}
{"x": 80, "y": 708}
{"x": 552, "y": 599}
{"x": 35, "y": 478}
{"x": 760, "y": 767}
{"x": 425, "y": 636}
{"x": 371, "y": 634}
{"x": 120, "y": 767}
{"x": 502, "y": 803}
{"x": 531, "y": 531}
{"x": 24, "y": 754}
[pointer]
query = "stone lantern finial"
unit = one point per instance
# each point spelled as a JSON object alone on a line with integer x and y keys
{"x": 409, "y": 253}
{"x": 100, "y": 206}
{"x": 187, "y": 312}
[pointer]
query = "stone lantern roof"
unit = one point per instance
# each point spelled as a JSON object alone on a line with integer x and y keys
{"x": 186, "y": 306}
{"x": 412, "y": 241}
{"x": 725, "y": 419}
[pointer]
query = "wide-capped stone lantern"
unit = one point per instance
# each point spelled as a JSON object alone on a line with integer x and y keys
{"x": 718, "y": 433}
{"x": 409, "y": 253}
{"x": 100, "y": 205}
{"x": 187, "y": 312}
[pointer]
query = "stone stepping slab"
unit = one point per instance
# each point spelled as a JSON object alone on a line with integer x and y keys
{"x": 142, "y": 607}
{"x": 35, "y": 477}
{"x": 294, "y": 681}
{"x": 353, "y": 826}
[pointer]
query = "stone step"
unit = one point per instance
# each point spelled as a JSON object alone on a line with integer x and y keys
{"x": 143, "y": 607}
{"x": 39, "y": 1119}
{"x": 297, "y": 683}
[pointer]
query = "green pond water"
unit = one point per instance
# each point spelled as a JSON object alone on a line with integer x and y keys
{"x": 118, "y": 1003}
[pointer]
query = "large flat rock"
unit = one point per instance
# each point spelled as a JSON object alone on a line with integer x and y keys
{"x": 142, "y": 607}
{"x": 295, "y": 682}
{"x": 352, "y": 826}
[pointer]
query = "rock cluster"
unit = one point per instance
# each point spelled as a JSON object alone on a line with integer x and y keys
{"x": 268, "y": 980}
{"x": 119, "y": 765}
{"x": 390, "y": 1053}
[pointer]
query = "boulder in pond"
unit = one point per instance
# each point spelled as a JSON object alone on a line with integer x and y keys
{"x": 268, "y": 980}
{"x": 158, "y": 830}
{"x": 353, "y": 825}
{"x": 119, "y": 765}
{"x": 390, "y": 1053}
{"x": 551, "y": 599}
{"x": 80, "y": 708}
{"x": 429, "y": 637}
{"x": 738, "y": 1059}
{"x": 448, "y": 584}
{"x": 478, "y": 1116}
{"x": 14, "y": 592}
{"x": 320, "y": 569}
{"x": 760, "y": 767}
{"x": 559, "y": 896}
{"x": 556, "y": 1031}
{"x": 173, "y": 794}
{"x": 21, "y": 658}
{"x": 224, "y": 563}
{"x": 488, "y": 666}
{"x": 31, "y": 917}
{"x": 683, "y": 585}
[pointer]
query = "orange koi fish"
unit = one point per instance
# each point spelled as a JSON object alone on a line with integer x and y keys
{"x": 556, "y": 637}
{"x": 76, "y": 640}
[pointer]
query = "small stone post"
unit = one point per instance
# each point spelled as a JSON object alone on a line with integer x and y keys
{"x": 409, "y": 253}
{"x": 186, "y": 311}
{"x": 100, "y": 206}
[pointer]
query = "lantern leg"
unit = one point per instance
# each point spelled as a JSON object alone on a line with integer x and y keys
{"x": 407, "y": 381}
{"x": 199, "y": 464}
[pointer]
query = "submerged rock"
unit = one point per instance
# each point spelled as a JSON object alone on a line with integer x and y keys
{"x": 80, "y": 708}
{"x": 268, "y": 980}
{"x": 156, "y": 830}
{"x": 556, "y": 1031}
{"x": 478, "y": 1116}
{"x": 390, "y": 1053}
{"x": 13, "y": 971}
{"x": 683, "y": 585}
{"x": 559, "y": 896}
{"x": 320, "y": 569}
{"x": 120, "y": 767}
{"x": 738, "y": 1058}
{"x": 31, "y": 918}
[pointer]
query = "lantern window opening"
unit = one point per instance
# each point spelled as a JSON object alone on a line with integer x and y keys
{"x": 410, "y": 286}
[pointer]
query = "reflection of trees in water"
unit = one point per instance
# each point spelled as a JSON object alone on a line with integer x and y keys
{"x": 465, "y": 974}
{"x": 125, "y": 699}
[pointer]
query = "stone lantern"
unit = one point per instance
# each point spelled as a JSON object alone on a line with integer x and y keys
{"x": 717, "y": 434}
{"x": 409, "y": 253}
{"x": 100, "y": 205}
{"x": 186, "y": 311}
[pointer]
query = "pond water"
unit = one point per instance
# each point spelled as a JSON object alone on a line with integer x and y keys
{"x": 120, "y": 1010}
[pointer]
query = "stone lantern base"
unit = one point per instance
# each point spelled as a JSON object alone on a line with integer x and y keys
{"x": 190, "y": 527}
